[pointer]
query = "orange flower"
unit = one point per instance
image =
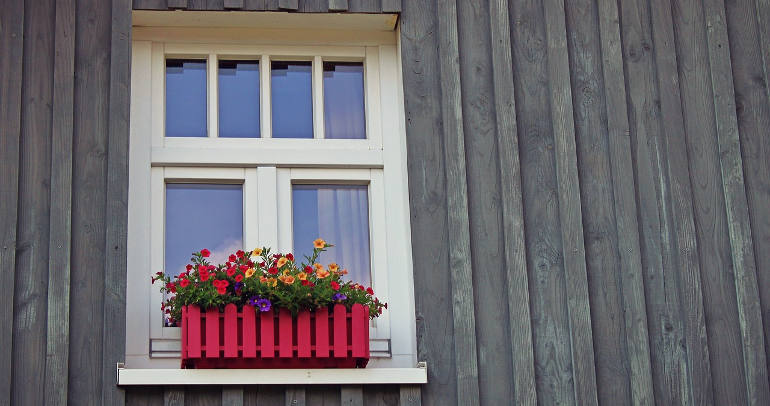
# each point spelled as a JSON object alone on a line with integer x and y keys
{"x": 319, "y": 243}
{"x": 321, "y": 273}
{"x": 249, "y": 272}
{"x": 344, "y": 272}
{"x": 257, "y": 252}
{"x": 281, "y": 262}
{"x": 302, "y": 276}
{"x": 288, "y": 280}
{"x": 272, "y": 282}
{"x": 286, "y": 272}
{"x": 318, "y": 266}
{"x": 263, "y": 279}
{"x": 333, "y": 267}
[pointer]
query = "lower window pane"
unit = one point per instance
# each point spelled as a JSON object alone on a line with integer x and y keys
{"x": 202, "y": 216}
{"x": 340, "y": 215}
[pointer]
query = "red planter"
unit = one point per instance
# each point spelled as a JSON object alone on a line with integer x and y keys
{"x": 253, "y": 339}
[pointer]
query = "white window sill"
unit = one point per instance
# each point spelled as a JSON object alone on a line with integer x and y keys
{"x": 331, "y": 376}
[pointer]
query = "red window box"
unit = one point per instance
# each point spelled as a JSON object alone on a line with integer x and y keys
{"x": 252, "y": 339}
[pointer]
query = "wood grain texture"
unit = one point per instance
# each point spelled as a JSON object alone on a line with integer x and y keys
{"x": 625, "y": 208}
{"x": 324, "y": 395}
{"x": 34, "y": 176}
{"x": 338, "y": 5}
{"x": 173, "y": 396}
{"x": 295, "y": 396}
{"x": 391, "y": 6}
{"x": 351, "y": 396}
{"x": 57, "y": 343}
{"x": 752, "y": 106}
{"x": 232, "y": 4}
{"x": 364, "y": 6}
{"x": 738, "y": 222}
{"x": 149, "y": 4}
{"x": 288, "y": 4}
{"x": 410, "y": 395}
{"x": 509, "y": 167}
{"x": 179, "y": 4}
{"x": 232, "y": 396}
{"x": 11, "y": 67}
{"x": 460, "y": 256}
{"x": 573, "y": 246}
{"x": 202, "y": 396}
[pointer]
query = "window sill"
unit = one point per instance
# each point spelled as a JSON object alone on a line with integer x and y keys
{"x": 342, "y": 376}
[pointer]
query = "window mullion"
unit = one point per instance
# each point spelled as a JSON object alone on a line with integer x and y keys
{"x": 213, "y": 101}
{"x": 266, "y": 118}
{"x": 267, "y": 207}
{"x": 318, "y": 98}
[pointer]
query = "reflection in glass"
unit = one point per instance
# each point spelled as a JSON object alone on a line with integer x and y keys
{"x": 292, "y": 99}
{"x": 340, "y": 215}
{"x": 186, "y": 98}
{"x": 344, "y": 100}
{"x": 238, "y": 99}
{"x": 202, "y": 216}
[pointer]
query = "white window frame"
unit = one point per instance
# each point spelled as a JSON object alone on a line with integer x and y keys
{"x": 265, "y": 167}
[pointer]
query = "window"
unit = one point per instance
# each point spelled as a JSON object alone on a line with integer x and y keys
{"x": 237, "y": 145}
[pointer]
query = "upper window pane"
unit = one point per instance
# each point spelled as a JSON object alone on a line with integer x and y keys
{"x": 238, "y": 99}
{"x": 292, "y": 96}
{"x": 185, "y": 98}
{"x": 202, "y": 216}
{"x": 340, "y": 215}
{"x": 344, "y": 100}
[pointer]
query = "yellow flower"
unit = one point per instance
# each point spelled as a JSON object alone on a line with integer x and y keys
{"x": 302, "y": 276}
{"x": 321, "y": 273}
{"x": 249, "y": 272}
{"x": 281, "y": 262}
{"x": 319, "y": 243}
{"x": 333, "y": 267}
{"x": 257, "y": 252}
{"x": 286, "y": 272}
{"x": 272, "y": 281}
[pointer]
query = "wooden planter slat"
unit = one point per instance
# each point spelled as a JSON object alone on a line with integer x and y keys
{"x": 231, "y": 339}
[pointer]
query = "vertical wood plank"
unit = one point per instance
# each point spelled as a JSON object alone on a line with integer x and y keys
{"x": 519, "y": 328}
{"x": 359, "y": 323}
{"x": 232, "y": 396}
{"x": 288, "y": 4}
{"x": 410, "y": 395}
{"x": 752, "y": 100}
{"x": 295, "y": 396}
{"x": 173, "y": 396}
{"x": 763, "y": 23}
{"x": 194, "y": 331}
{"x": 303, "y": 335}
{"x": 231, "y": 331}
{"x": 249, "y": 338}
{"x": 267, "y": 334}
{"x": 116, "y": 206}
{"x": 184, "y": 332}
{"x": 569, "y": 205}
{"x": 32, "y": 247}
{"x": 212, "y": 333}
{"x": 364, "y": 6}
{"x": 391, "y": 6}
{"x": 12, "y": 43}
{"x": 233, "y": 4}
{"x": 736, "y": 205}
{"x": 338, "y": 5}
{"x": 340, "y": 335}
{"x": 285, "y": 341}
{"x": 176, "y": 4}
{"x": 322, "y": 332}
{"x": 464, "y": 326}
{"x": 625, "y": 209}
{"x": 351, "y": 395}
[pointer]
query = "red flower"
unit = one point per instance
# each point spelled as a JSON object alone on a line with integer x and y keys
{"x": 239, "y": 253}
{"x": 232, "y": 258}
{"x": 230, "y": 271}
{"x": 228, "y": 264}
{"x": 211, "y": 267}
{"x": 251, "y": 264}
{"x": 159, "y": 273}
{"x": 188, "y": 267}
{"x": 221, "y": 291}
{"x": 273, "y": 270}
{"x": 184, "y": 282}
{"x": 360, "y": 287}
{"x": 305, "y": 282}
{"x": 238, "y": 278}
{"x": 202, "y": 268}
{"x": 309, "y": 269}
{"x": 290, "y": 257}
{"x": 204, "y": 276}
{"x": 369, "y": 291}
{"x": 171, "y": 287}
{"x": 243, "y": 268}
{"x": 205, "y": 253}
{"x": 335, "y": 285}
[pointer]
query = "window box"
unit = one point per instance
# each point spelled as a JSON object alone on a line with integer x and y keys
{"x": 252, "y": 339}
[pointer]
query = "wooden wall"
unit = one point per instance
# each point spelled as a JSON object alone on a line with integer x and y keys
{"x": 590, "y": 199}
{"x": 589, "y": 186}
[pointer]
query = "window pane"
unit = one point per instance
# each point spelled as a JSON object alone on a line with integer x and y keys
{"x": 340, "y": 215}
{"x": 292, "y": 96}
{"x": 239, "y": 99}
{"x": 202, "y": 216}
{"x": 344, "y": 100}
{"x": 185, "y": 98}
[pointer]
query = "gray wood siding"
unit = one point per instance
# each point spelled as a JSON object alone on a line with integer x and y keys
{"x": 589, "y": 192}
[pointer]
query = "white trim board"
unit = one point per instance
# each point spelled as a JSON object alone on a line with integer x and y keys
{"x": 330, "y": 376}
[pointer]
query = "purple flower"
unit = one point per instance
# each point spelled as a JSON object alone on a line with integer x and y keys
{"x": 253, "y": 300}
{"x": 263, "y": 305}
{"x": 339, "y": 296}
{"x": 238, "y": 285}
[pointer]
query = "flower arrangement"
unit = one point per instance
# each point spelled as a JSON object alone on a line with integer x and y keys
{"x": 265, "y": 281}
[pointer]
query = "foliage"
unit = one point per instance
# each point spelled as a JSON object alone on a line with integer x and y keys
{"x": 263, "y": 280}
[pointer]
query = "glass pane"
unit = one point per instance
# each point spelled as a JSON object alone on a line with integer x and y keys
{"x": 202, "y": 216}
{"x": 292, "y": 96}
{"x": 340, "y": 215}
{"x": 186, "y": 98}
{"x": 344, "y": 100}
{"x": 238, "y": 99}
